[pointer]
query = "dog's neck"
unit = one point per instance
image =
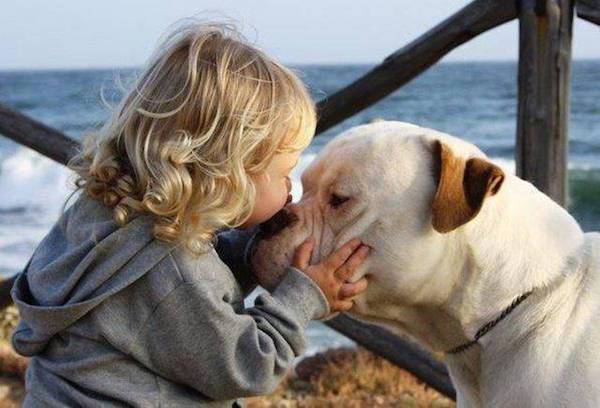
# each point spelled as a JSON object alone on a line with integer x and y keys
{"x": 512, "y": 247}
{"x": 498, "y": 356}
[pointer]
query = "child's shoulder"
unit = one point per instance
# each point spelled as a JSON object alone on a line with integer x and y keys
{"x": 167, "y": 265}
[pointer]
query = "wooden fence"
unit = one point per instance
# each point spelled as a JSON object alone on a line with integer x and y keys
{"x": 545, "y": 31}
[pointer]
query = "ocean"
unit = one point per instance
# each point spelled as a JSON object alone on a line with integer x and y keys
{"x": 475, "y": 101}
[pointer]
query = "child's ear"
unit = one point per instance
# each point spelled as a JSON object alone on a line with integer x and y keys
{"x": 462, "y": 187}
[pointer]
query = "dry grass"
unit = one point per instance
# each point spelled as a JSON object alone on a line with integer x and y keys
{"x": 350, "y": 378}
{"x": 12, "y": 392}
{"x": 12, "y": 365}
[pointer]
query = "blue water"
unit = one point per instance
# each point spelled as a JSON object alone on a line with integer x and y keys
{"x": 474, "y": 101}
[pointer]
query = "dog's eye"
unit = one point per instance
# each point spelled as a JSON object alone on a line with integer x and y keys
{"x": 337, "y": 200}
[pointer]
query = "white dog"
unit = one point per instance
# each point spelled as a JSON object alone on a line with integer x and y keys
{"x": 466, "y": 259}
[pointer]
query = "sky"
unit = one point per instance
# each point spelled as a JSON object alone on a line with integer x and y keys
{"x": 42, "y": 34}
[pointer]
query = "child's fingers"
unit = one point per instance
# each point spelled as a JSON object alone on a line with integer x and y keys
{"x": 303, "y": 253}
{"x": 343, "y": 305}
{"x": 338, "y": 257}
{"x": 349, "y": 290}
{"x": 350, "y": 266}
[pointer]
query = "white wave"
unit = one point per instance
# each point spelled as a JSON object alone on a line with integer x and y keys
{"x": 32, "y": 191}
{"x": 33, "y": 182}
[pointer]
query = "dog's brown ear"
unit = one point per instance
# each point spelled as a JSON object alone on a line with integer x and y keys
{"x": 462, "y": 186}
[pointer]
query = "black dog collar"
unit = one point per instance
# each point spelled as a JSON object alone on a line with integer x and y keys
{"x": 490, "y": 325}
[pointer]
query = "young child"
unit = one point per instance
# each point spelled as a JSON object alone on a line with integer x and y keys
{"x": 126, "y": 302}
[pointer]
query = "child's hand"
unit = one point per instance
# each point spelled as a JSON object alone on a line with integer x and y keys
{"x": 332, "y": 273}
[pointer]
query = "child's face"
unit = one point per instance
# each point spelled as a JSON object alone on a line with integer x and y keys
{"x": 273, "y": 188}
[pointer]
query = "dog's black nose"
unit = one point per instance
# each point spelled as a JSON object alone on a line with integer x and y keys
{"x": 282, "y": 219}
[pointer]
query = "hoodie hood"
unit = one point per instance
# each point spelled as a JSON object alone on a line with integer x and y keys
{"x": 85, "y": 258}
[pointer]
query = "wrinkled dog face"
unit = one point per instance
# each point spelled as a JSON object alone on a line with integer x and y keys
{"x": 376, "y": 182}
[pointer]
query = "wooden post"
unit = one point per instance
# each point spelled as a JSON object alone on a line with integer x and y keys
{"x": 544, "y": 92}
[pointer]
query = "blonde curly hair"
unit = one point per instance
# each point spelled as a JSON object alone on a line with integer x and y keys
{"x": 208, "y": 112}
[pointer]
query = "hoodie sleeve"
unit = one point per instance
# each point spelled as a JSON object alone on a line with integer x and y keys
{"x": 233, "y": 248}
{"x": 196, "y": 337}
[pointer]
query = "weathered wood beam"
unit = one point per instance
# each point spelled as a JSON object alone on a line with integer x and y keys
{"x": 37, "y": 136}
{"x": 404, "y": 354}
{"x": 545, "y": 30}
{"x": 588, "y": 10}
{"x": 411, "y": 60}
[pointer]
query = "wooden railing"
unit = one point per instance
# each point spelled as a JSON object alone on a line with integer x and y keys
{"x": 541, "y": 142}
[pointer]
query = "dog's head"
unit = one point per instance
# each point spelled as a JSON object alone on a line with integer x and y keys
{"x": 401, "y": 189}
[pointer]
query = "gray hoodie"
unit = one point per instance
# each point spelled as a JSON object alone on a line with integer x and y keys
{"x": 112, "y": 317}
